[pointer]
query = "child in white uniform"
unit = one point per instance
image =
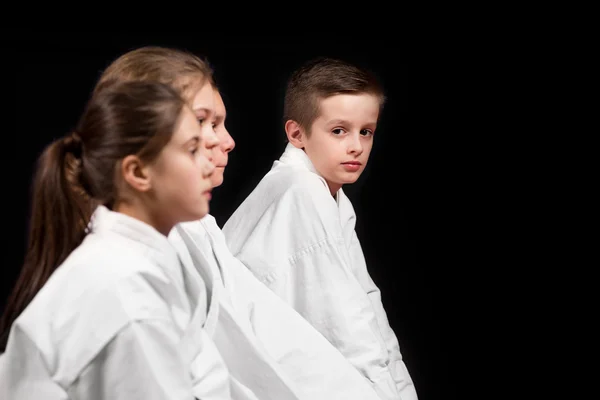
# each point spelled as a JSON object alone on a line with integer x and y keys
{"x": 295, "y": 231}
{"x": 114, "y": 314}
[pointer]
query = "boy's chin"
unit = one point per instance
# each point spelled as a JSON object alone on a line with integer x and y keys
{"x": 349, "y": 178}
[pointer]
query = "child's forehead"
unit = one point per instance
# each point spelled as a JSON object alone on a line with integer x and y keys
{"x": 342, "y": 102}
{"x": 360, "y": 108}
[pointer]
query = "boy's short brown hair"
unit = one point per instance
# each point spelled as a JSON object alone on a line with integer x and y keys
{"x": 321, "y": 78}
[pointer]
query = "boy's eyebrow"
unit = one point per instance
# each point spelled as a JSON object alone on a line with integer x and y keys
{"x": 344, "y": 122}
{"x": 338, "y": 121}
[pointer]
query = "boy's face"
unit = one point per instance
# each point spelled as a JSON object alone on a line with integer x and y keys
{"x": 341, "y": 137}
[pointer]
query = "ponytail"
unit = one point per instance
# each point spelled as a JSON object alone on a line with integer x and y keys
{"x": 60, "y": 212}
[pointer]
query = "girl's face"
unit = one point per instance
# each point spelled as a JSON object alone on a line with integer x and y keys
{"x": 181, "y": 174}
{"x": 203, "y": 105}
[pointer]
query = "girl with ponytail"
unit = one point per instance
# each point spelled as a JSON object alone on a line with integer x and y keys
{"x": 103, "y": 308}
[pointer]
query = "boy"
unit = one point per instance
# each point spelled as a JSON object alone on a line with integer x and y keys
{"x": 295, "y": 231}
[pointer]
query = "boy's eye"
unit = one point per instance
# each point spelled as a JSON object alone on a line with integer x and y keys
{"x": 366, "y": 132}
{"x": 338, "y": 131}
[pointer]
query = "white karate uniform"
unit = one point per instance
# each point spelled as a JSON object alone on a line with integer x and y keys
{"x": 266, "y": 344}
{"x": 246, "y": 364}
{"x": 300, "y": 241}
{"x": 119, "y": 319}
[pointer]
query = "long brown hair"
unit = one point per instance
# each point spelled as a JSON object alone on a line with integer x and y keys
{"x": 79, "y": 171}
{"x": 182, "y": 70}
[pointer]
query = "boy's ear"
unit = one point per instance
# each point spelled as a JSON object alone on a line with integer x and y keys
{"x": 136, "y": 174}
{"x": 295, "y": 134}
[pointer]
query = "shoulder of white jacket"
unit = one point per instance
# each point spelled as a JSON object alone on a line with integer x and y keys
{"x": 309, "y": 188}
{"x": 111, "y": 268}
{"x": 296, "y": 183}
{"x": 107, "y": 252}
{"x": 318, "y": 207}
{"x": 295, "y": 179}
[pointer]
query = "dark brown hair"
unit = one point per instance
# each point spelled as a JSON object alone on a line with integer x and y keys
{"x": 179, "y": 69}
{"x": 79, "y": 171}
{"x": 319, "y": 79}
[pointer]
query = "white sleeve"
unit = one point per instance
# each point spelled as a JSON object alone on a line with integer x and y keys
{"x": 299, "y": 350}
{"x": 23, "y": 373}
{"x": 322, "y": 288}
{"x": 398, "y": 369}
{"x": 141, "y": 362}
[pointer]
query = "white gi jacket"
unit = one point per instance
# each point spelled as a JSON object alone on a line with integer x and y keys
{"x": 300, "y": 241}
{"x": 279, "y": 347}
{"x": 119, "y": 319}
